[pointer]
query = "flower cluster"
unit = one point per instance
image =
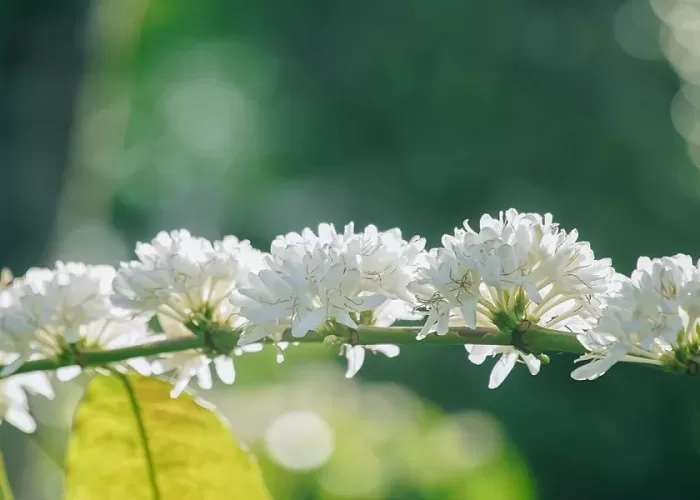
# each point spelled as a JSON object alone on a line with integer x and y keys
{"x": 315, "y": 280}
{"x": 56, "y": 313}
{"x": 653, "y": 315}
{"x": 515, "y": 274}
{"x": 517, "y": 267}
{"x": 14, "y": 405}
{"x": 185, "y": 280}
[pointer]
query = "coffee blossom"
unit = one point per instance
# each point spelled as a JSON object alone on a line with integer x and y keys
{"x": 514, "y": 268}
{"x": 60, "y": 313}
{"x": 14, "y": 404}
{"x": 651, "y": 317}
{"x": 185, "y": 281}
{"x": 313, "y": 280}
{"x": 179, "y": 275}
{"x": 384, "y": 316}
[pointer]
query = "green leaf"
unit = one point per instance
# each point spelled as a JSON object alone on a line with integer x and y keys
{"x": 131, "y": 440}
{"x": 5, "y": 490}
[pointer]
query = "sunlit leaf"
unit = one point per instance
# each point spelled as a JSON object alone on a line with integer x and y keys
{"x": 132, "y": 441}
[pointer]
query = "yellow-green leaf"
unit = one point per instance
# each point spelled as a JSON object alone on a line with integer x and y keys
{"x": 132, "y": 441}
{"x": 5, "y": 491}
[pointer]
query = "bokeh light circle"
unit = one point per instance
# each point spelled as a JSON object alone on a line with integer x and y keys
{"x": 300, "y": 440}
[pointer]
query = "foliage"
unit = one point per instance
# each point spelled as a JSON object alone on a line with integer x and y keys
{"x": 131, "y": 440}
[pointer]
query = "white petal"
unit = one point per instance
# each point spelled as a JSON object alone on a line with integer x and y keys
{"x": 252, "y": 347}
{"x": 370, "y": 301}
{"x": 181, "y": 382}
{"x": 592, "y": 370}
{"x": 309, "y": 321}
{"x": 141, "y": 366}
{"x": 225, "y": 369}
{"x": 21, "y": 419}
{"x": 429, "y": 324}
{"x": 388, "y": 350}
{"x": 443, "y": 324}
{"x": 533, "y": 364}
{"x": 598, "y": 367}
{"x": 491, "y": 270}
{"x": 532, "y": 292}
{"x": 252, "y": 335}
{"x": 38, "y": 383}
{"x": 72, "y": 334}
{"x": 274, "y": 284}
{"x": 502, "y": 368}
{"x": 356, "y": 357}
{"x": 393, "y": 310}
{"x": 66, "y": 373}
{"x": 343, "y": 317}
{"x": 479, "y": 353}
{"x": 12, "y": 367}
{"x": 468, "y": 310}
{"x": 204, "y": 377}
{"x": 14, "y": 394}
{"x": 158, "y": 368}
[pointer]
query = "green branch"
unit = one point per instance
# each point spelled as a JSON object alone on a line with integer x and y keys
{"x": 223, "y": 340}
{"x": 536, "y": 338}
{"x": 87, "y": 359}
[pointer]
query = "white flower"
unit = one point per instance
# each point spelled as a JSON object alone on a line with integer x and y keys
{"x": 189, "y": 364}
{"x": 356, "y": 355}
{"x": 330, "y": 276}
{"x": 179, "y": 276}
{"x": 115, "y": 331}
{"x": 14, "y": 405}
{"x": 395, "y": 310}
{"x": 505, "y": 364}
{"x": 385, "y": 315}
{"x": 645, "y": 316}
{"x": 519, "y": 266}
{"x": 448, "y": 286}
{"x": 281, "y": 347}
{"x": 273, "y": 302}
{"x": 49, "y": 313}
{"x": 387, "y": 262}
{"x": 23, "y": 305}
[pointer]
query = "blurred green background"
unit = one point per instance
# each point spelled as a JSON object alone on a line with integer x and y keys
{"x": 120, "y": 118}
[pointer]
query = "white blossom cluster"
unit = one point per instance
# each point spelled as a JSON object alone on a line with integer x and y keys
{"x": 179, "y": 276}
{"x": 313, "y": 279}
{"x": 49, "y": 312}
{"x": 652, "y": 315}
{"x": 521, "y": 264}
{"x": 517, "y": 269}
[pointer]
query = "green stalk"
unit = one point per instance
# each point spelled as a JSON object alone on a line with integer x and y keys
{"x": 223, "y": 339}
{"x": 541, "y": 339}
{"x": 101, "y": 358}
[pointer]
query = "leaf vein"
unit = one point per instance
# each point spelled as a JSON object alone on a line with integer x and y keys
{"x": 143, "y": 435}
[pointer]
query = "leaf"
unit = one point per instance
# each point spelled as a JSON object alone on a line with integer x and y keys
{"x": 5, "y": 490}
{"x": 132, "y": 441}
